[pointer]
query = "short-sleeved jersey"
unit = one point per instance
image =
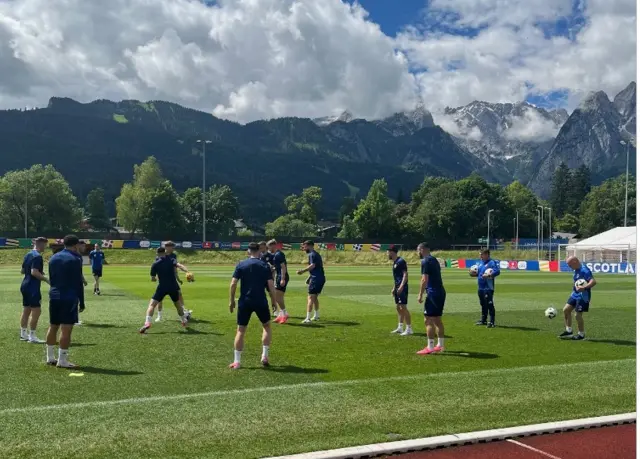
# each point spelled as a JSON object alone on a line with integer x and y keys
{"x": 96, "y": 257}
{"x": 32, "y": 260}
{"x": 486, "y": 284}
{"x": 253, "y": 275}
{"x": 582, "y": 273}
{"x": 279, "y": 260}
{"x": 267, "y": 257}
{"x": 399, "y": 268}
{"x": 65, "y": 276}
{"x": 173, "y": 256}
{"x": 164, "y": 268}
{"x": 318, "y": 269}
{"x": 431, "y": 267}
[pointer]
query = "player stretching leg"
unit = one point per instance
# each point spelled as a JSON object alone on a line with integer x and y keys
{"x": 164, "y": 269}
{"x": 170, "y": 247}
{"x": 33, "y": 271}
{"x": 316, "y": 281}
{"x": 253, "y": 274}
{"x": 431, "y": 282}
{"x": 282, "y": 280}
{"x": 400, "y": 291}
{"x": 580, "y": 299}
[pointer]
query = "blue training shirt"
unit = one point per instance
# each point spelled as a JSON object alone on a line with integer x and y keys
{"x": 164, "y": 268}
{"x": 279, "y": 259}
{"x": 431, "y": 267}
{"x": 65, "y": 276}
{"x": 97, "y": 259}
{"x": 318, "y": 270}
{"x": 32, "y": 260}
{"x": 582, "y": 273}
{"x": 253, "y": 275}
{"x": 399, "y": 268}
{"x": 486, "y": 284}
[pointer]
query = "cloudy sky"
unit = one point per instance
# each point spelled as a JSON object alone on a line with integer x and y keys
{"x": 251, "y": 59}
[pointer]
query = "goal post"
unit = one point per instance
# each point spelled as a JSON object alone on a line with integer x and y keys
{"x": 609, "y": 258}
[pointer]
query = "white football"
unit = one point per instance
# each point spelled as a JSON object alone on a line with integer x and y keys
{"x": 489, "y": 272}
{"x": 550, "y": 312}
{"x": 581, "y": 283}
{"x": 473, "y": 271}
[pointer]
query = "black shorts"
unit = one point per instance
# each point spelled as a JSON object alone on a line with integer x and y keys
{"x": 31, "y": 299}
{"x": 63, "y": 312}
{"x": 434, "y": 304}
{"x": 279, "y": 287}
{"x": 245, "y": 310}
{"x": 402, "y": 298}
{"x": 97, "y": 272}
{"x": 316, "y": 286}
{"x": 160, "y": 293}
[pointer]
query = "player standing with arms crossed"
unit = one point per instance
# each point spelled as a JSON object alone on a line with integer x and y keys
{"x": 431, "y": 283}
{"x": 169, "y": 249}
{"x": 97, "y": 259}
{"x": 488, "y": 270}
{"x": 65, "y": 278}
{"x": 253, "y": 274}
{"x": 282, "y": 279}
{"x": 580, "y": 299}
{"x": 316, "y": 281}
{"x": 33, "y": 271}
{"x": 400, "y": 291}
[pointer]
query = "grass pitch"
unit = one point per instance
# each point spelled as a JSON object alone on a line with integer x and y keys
{"x": 341, "y": 382}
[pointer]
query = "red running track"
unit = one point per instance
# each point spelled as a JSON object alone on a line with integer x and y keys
{"x": 617, "y": 442}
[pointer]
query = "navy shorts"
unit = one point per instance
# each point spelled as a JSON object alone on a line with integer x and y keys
{"x": 97, "y": 272}
{"x": 63, "y": 312}
{"x": 402, "y": 298}
{"x": 245, "y": 310}
{"x": 578, "y": 305}
{"x": 161, "y": 293}
{"x": 316, "y": 286}
{"x": 279, "y": 287}
{"x": 31, "y": 299}
{"x": 434, "y": 304}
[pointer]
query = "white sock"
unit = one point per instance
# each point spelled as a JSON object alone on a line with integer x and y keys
{"x": 23, "y": 332}
{"x": 581, "y": 333}
{"x": 265, "y": 352}
{"x": 316, "y": 314}
{"x": 400, "y": 326}
{"x": 149, "y": 319}
{"x": 159, "y": 314}
{"x": 283, "y": 312}
{"x": 51, "y": 353}
{"x": 308, "y": 315}
{"x": 62, "y": 355}
{"x": 32, "y": 333}
{"x": 440, "y": 342}
{"x": 570, "y": 330}
{"x": 430, "y": 344}
{"x": 236, "y": 356}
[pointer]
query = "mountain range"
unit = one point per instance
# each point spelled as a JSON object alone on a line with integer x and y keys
{"x": 97, "y": 144}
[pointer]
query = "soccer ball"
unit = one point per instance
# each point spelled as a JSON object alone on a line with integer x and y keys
{"x": 190, "y": 277}
{"x": 550, "y": 312}
{"x": 489, "y": 272}
{"x": 581, "y": 283}
{"x": 473, "y": 271}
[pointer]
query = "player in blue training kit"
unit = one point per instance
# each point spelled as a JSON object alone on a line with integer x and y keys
{"x": 169, "y": 248}
{"x": 580, "y": 298}
{"x": 431, "y": 283}
{"x": 81, "y": 305}
{"x": 316, "y": 281}
{"x": 97, "y": 259}
{"x": 33, "y": 271}
{"x": 164, "y": 271}
{"x": 400, "y": 291}
{"x": 486, "y": 288}
{"x": 253, "y": 274}
{"x": 65, "y": 278}
{"x": 281, "y": 281}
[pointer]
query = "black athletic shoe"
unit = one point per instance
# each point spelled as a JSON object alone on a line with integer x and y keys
{"x": 491, "y": 325}
{"x": 565, "y": 333}
{"x": 577, "y": 337}
{"x": 481, "y": 322}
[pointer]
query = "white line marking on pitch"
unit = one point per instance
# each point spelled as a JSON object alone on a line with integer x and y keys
{"x": 321, "y": 384}
{"x": 531, "y": 448}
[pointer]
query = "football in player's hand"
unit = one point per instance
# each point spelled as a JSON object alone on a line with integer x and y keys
{"x": 190, "y": 277}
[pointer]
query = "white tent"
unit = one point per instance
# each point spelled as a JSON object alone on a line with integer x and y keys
{"x": 618, "y": 245}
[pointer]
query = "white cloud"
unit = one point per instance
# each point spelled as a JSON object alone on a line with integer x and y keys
{"x": 250, "y": 59}
{"x": 530, "y": 127}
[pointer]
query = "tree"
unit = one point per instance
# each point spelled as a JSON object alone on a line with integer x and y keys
{"x": 305, "y": 206}
{"x": 374, "y": 214}
{"x": 96, "y": 210}
{"x": 603, "y": 208}
{"x": 347, "y": 208}
{"x": 42, "y": 196}
{"x": 579, "y": 187}
{"x": 560, "y": 190}
{"x": 568, "y": 224}
{"x": 289, "y": 226}
{"x": 349, "y": 229}
{"x": 524, "y": 202}
{"x": 222, "y": 209}
{"x": 164, "y": 216}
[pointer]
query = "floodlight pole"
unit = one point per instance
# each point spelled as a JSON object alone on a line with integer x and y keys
{"x": 549, "y": 208}
{"x": 204, "y": 190}
{"x": 489, "y": 229}
{"x": 541, "y": 233}
{"x": 626, "y": 184}
{"x": 517, "y": 228}
{"x": 538, "y": 226}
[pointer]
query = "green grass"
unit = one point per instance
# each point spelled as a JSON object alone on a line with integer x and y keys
{"x": 120, "y": 118}
{"x": 342, "y": 382}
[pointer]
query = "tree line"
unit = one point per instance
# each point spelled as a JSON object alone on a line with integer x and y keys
{"x": 441, "y": 209}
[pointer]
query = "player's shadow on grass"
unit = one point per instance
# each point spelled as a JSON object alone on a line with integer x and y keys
{"x": 200, "y": 321}
{"x": 617, "y": 342}
{"x": 188, "y": 331}
{"x": 292, "y": 369}
{"x": 301, "y": 325}
{"x": 424, "y": 335}
{"x": 108, "y": 371}
{"x": 471, "y": 355}
{"x": 517, "y": 327}
{"x": 113, "y": 294}
{"x": 101, "y": 326}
